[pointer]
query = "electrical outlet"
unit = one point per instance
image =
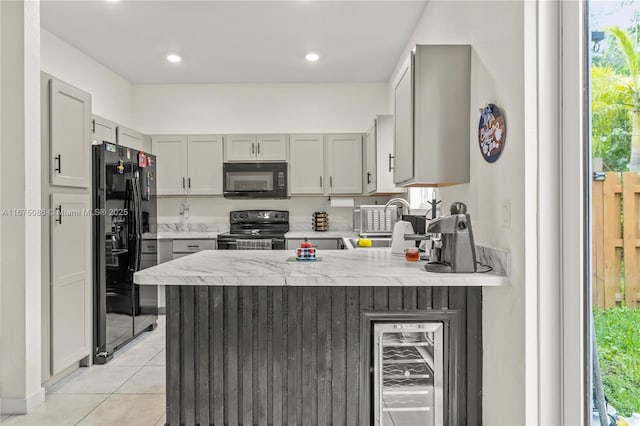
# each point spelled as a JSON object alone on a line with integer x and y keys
{"x": 506, "y": 214}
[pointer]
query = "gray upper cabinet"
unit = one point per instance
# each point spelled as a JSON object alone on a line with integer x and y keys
{"x": 378, "y": 175}
{"x": 306, "y": 168}
{"x": 204, "y": 165}
{"x": 403, "y": 125}
{"x": 432, "y": 117}
{"x": 248, "y": 148}
{"x": 188, "y": 165}
{"x": 345, "y": 164}
{"x": 130, "y": 138}
{"x": 70, "y": 128}
{"x": 171, "y": 164}
{"x": 103, "y": 130}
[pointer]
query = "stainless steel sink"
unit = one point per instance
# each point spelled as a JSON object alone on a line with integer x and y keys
{"x": 375, "y": 242}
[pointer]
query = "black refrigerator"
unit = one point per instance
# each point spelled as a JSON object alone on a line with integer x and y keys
{"x": 124, "y": 213}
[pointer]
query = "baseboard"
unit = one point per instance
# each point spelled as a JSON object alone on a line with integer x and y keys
{"x": 22, "y": 405}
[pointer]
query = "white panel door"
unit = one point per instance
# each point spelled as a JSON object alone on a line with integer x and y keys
{"x": 70, "y": 280}
{"x": 204, "y": 165}
{"x": 403, "y": 169}
{"x": 240, "y": 148}
{"x": 345, "y": 164}
{"x": 384, "y": 151}
{"x": 271, "y": 147}
{"x": 370, "y": 174}
{"x": 306, "y": 168}
{"x": 171, "y": 164}
{"x": 103, "y": 130}
{"x": 70, "y": 137}
{"x": 130, "y": 138}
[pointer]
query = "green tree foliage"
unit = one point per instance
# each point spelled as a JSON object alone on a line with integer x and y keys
{"x": 610, "y": 123}
{"x": 615, "y": 104}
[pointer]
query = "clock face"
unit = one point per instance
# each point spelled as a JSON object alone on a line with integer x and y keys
{"x": 492, "y": 133}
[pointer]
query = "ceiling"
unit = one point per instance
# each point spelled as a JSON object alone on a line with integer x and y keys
{"x": 238, "y": 41}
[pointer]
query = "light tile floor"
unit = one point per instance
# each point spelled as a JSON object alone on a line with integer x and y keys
{"x": 127, "y": 391}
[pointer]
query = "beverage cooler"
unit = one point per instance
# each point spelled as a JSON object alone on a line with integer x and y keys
{"x": 408, "y": 371}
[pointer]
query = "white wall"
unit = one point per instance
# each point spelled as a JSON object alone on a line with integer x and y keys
{"x": 111, "y": 94}
{"x": 20, "y": 266}
{"x": 495, "y": 31}
{"x": 256, "y": 108}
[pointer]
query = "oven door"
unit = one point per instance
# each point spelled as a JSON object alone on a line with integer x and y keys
{"x": 255, "y": 180}
{"x": 225, "y": 243}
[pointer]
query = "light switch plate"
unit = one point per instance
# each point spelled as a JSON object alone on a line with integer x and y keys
{"x": 506, "y": 214}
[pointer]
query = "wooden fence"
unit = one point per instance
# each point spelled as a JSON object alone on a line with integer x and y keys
{"x": 616, "y": 240}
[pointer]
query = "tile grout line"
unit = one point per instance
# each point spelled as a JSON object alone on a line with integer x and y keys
{"x": 109, "y": 395}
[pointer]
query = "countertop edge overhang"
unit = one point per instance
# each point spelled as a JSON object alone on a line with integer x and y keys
{"x": 355, "y": 268}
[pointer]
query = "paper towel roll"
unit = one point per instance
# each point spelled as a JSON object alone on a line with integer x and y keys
{"x": 342, "y": 202}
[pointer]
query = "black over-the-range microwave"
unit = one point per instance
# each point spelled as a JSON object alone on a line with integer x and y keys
{"x": 255, "y": 180}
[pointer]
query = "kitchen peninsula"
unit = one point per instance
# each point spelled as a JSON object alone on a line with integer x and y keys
{"x": 255, "y": 338}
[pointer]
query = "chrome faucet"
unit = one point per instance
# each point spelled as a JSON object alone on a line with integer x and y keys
{"x": 400, "y": 201}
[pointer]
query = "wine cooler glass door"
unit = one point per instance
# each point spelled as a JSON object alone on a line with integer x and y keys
{"x": 408, "y": 361}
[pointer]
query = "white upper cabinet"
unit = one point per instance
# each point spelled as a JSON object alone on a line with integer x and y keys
{"x": 378, "y": 174}
{"x": 188, "y": 165}
{"x": 432, "y": 110}
{"x": 344, "y": 165}
{"x": 403, "y": 125}
{"x": 70, "y": 135}
{"x": 325, "y": 165}
{"x": 103, "y": 130}
{"x": 271, "y": 147}
{"x": 248, "y": 148}
{"x": 204, "y": 165}
{"x": 130, "y": 138}
{"x": 306, "y": 168}
{"x": 171, "y": 164}
{"x": 239, "y": 148}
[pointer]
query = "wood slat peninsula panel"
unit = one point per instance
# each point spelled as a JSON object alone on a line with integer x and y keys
{"x": 295, "y": 355}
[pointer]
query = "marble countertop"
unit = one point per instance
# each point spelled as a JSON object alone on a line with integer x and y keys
{"x": 359, "y": 267}
{"x": 313, "y": 235}
{"x": 180, "y": 235}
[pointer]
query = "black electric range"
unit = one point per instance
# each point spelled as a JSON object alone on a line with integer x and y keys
{"x": 255, "y": 229}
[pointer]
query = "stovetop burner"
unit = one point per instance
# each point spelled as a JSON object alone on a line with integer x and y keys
{"x": 257, "y": 224}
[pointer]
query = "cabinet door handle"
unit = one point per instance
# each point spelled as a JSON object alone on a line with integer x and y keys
{"x": 390, "y": 158}
{"x": 368, "y": 177}
{"x": 182, "y": 183}
{"x": 58, "y": 158}
{"x": 331, "y": 181}
{"x": 59, "y": 211}
{"x": 189, "y": 180}
{"x": 258, "y": 147}
{"x": 320, "y": 181}
{"x": 193, "y": 246}
{"x": 93, "y": 124}
{"x": 253, "y": 148}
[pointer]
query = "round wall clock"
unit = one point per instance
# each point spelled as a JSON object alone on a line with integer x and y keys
{"x": 492, "y": 132}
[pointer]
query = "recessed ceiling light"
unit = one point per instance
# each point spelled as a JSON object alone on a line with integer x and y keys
{"x": 174, "y": 58}
{"x": 312, "y": 57}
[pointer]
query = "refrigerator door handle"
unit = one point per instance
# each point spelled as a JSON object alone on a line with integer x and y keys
{"x": 138, "y": 227}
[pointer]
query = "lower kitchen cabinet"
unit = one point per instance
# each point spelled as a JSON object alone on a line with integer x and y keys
{"x": 175, "y": 249}
{"x": 320, "y": 244}
{"x": 183, "y": 248}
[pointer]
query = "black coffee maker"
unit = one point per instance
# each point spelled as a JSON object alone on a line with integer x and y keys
{"x": 457, "y": 252}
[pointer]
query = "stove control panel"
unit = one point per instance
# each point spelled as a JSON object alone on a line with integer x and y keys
{"x": 259, "y": 216}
